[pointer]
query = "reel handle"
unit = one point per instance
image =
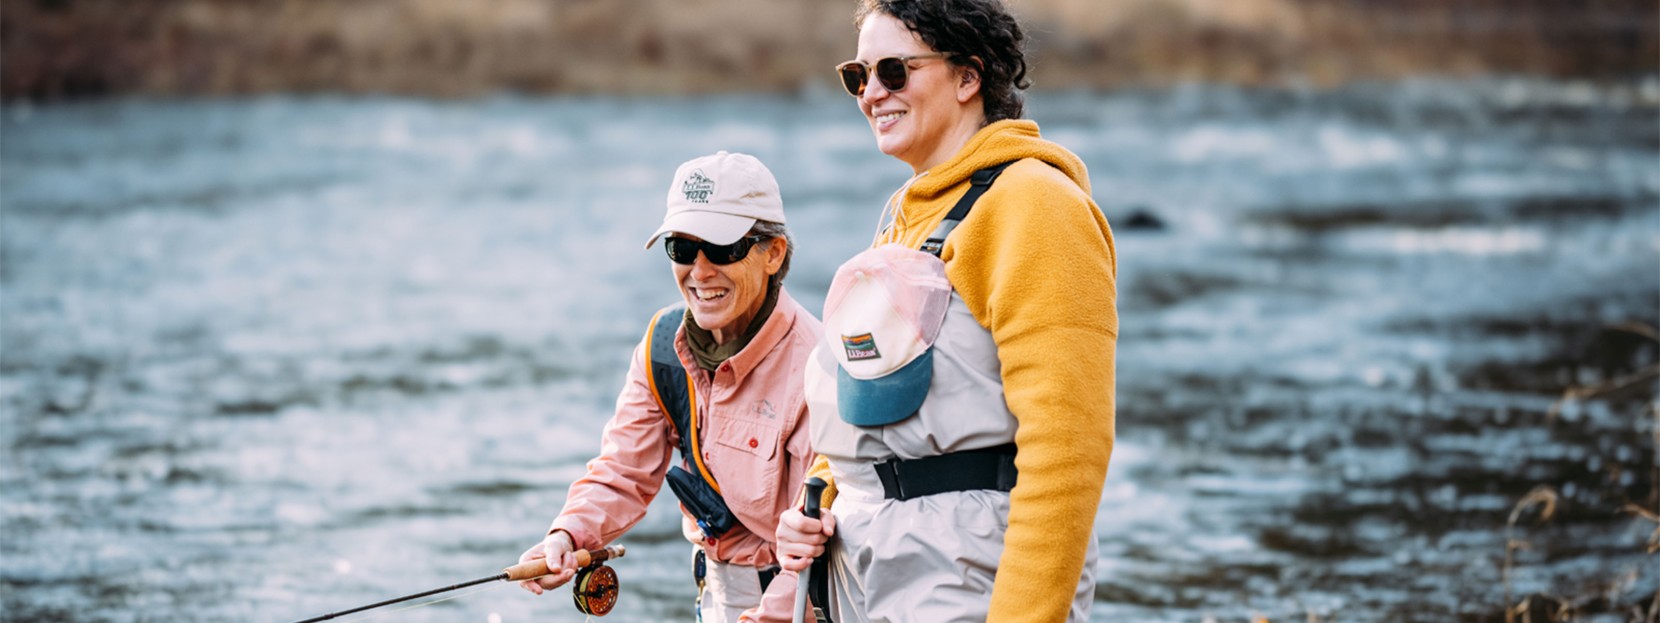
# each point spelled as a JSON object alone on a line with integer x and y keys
{"x": 584, "y": 558}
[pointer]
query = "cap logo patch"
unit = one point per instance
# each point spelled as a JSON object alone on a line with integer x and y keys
{"x": 698, "y": 187}
{"x": 861, "y": 346}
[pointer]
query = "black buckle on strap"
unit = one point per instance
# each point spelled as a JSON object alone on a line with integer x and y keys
{"x": 978, "y": 184}
{"x": 986, "y": 468}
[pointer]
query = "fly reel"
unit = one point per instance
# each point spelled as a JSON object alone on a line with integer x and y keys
{"x": 595, "y": 589}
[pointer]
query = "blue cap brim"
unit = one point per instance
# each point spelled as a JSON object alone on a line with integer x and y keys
{"x": 888, "y": 399}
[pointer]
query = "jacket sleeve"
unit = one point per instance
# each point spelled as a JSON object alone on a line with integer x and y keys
{"x": 621, "y": 482}
{"x": 1037, "y": 269}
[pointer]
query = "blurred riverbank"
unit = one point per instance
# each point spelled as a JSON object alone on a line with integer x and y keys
{"x": 56, "y": 49}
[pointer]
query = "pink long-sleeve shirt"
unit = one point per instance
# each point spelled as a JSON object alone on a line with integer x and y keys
{"x": 754, "y": 440}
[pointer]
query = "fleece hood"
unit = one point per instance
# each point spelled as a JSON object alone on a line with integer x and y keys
{"x": 1000, "y": 142}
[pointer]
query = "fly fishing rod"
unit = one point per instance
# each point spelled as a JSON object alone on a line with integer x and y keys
{"x": 594, "y": 589}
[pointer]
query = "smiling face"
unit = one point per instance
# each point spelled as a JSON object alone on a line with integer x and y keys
{"x": 934, "y": 115}
{"x": 724, "y": 299}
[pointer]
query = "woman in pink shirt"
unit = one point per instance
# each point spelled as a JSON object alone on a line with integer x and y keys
{"x": 728, "y": 362}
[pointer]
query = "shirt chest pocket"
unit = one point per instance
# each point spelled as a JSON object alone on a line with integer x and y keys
{"x": 744, "y": 458}
{"x": 749, "y": 438}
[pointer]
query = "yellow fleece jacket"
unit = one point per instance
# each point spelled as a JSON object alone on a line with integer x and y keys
{"x": 1034, "y": 261}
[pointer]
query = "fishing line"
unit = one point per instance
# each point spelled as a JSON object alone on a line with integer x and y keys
{"x": 376, "y": 615}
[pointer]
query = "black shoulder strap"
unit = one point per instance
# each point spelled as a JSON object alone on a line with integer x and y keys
{"x": 979, "y": 183}
{"x": 671, "y": 387}
{"x": 670, "y": 384}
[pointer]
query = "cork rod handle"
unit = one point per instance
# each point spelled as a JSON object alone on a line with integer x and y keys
{"x": 537, "y": 568}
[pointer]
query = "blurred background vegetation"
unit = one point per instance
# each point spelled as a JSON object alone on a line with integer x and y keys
{"x": 55, "y": 49}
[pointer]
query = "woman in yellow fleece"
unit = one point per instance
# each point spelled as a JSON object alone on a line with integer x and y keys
{"x": 962, "y": 399}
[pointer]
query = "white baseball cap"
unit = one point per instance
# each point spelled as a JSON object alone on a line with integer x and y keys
{"x": 881, "y": 317}
{"x": 719, "y": 197}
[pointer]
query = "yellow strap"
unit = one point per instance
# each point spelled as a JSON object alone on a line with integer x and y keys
{"x": 697, "y": 452}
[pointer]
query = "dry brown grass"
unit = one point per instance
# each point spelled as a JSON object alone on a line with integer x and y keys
{"x": 57, "y": 48}
{"x": 1543, "y": 496}
{"x": 1623, "y": 388}
{"x": 1619, "y": 386}
{"x": 1652, "y": 515}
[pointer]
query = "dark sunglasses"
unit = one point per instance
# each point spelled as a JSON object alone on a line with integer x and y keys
{"x": 892, "y": 72}
{"x": 684, "y": 250}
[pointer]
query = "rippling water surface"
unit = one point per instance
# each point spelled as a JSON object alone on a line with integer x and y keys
{"x": 269, "y": 358}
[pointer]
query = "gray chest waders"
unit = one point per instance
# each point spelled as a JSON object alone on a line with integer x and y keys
{"x": 985, "y": 468}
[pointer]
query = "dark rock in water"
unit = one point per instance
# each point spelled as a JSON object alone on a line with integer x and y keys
{"x": 1618, "y": 350}
{"x": 1140, "y": 219}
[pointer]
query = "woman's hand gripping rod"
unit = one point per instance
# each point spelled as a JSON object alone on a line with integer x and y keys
{"x": 533, "y": 569}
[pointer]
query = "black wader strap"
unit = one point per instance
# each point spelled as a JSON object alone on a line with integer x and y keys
{"x": 987, "y": 468}
{"x": 979, "y": 183}
{"x": 668, "y": 378}
{"x": 671, "y": 386}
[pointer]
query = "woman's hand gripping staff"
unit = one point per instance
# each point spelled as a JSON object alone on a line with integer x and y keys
{"x": 801, "y": 537}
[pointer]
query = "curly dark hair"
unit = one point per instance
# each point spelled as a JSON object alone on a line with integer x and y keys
{"x": 968, "y": 30}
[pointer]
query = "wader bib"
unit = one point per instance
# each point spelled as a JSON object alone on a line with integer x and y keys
{"x": 906, "y": 402}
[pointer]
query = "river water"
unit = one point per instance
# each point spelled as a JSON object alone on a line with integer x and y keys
{"x": 269, "y": 358}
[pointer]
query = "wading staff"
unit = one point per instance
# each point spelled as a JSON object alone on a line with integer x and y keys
{"x": 809, "y": 507}
{"x": 602, "y": 595}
